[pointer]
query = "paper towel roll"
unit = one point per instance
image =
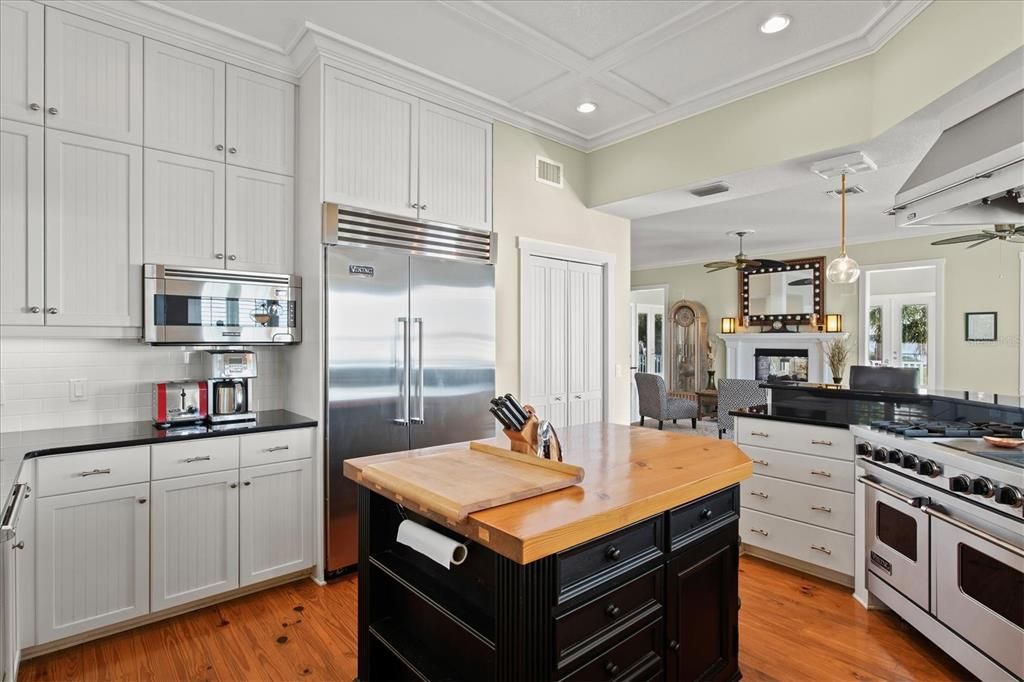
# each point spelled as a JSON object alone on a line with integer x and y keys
{"x": 431, "y": 544}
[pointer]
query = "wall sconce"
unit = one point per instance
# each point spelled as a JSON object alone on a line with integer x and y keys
{"x": 833, "y": 323}
{"x": 728, "y": 325}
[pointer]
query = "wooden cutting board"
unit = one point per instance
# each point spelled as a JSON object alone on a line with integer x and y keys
{"x": 459, "y": 481}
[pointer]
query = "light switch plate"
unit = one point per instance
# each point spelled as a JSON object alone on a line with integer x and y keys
{"x": 78, "y": 390}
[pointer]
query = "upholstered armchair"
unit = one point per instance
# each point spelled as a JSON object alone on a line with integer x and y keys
{"x": 734, "y": 394}
{"x": 656, "y": 403}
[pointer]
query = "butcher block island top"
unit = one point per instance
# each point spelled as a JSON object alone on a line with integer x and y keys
{"x": 631, "y": 473}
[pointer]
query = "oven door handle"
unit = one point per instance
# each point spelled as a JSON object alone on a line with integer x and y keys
{"x": 976, "y": 532}
{"x": 912, "y": 501}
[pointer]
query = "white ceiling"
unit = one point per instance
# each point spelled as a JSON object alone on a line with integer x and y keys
{"x": 644, "y": 63}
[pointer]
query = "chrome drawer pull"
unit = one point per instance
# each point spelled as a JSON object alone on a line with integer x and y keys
{"x": 93, "y": 472}
{"x": 275, "y": 448}
{"x": 821, "y": 442}
{"x": 824, "y": 550}
{"x": 202, "y": 458}
{"x": 824, "y": 509}
{"x": 759, "y": 531}
{"x": 821, "y": 473}
{"x": 762, "y": 434}
{"x": 763, "y": 496}
{"x": 762, "y": 462}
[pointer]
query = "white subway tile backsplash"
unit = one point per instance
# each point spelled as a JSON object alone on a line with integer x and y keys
{"x": 120, "y": 374}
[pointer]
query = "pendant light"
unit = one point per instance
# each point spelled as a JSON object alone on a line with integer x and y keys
{"x": 843, "y": 270}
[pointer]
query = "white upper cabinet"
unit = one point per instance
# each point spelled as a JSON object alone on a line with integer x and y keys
{"x": 184, "y": 210}
{"x": 21, "y": 223}
{"x": 370, "y": 145}
{"x": 184, "y": 102}
{"x": 21, "y": 68}
{"x": 93, "y": 260}
{"x": 455, "y": 168}
{"x": 260, "y": 122}
{"x": 260, "y": 219}
{"x": 93, "y": 78}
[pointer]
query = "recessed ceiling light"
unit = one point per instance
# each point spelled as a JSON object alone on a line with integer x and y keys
{"x": 586, "y": 107}
{"x": 775, "y": 23}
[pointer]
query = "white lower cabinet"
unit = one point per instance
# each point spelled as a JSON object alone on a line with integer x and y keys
{"x": 194, "y": 538}
{"x": 276, "y": 520}
{"x": 92, "y": 563}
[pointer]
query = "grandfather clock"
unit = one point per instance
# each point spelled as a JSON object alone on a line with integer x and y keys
{"x": 688, "y": 347}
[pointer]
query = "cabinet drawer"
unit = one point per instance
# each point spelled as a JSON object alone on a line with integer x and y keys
{"x": 686, "y": 521}
{"x": 803, "y": 438}
{"x": 808, "y": 503}
{"x": 630, "y": 659}
{"x": 803, "y": 541}
{"x": 586, "y": 626}
{"x": 276, "y": 446}
{"x": 821, "y": 471}
{"x": 194, "y": 457}
{"x": 78, "y": 471}
{"x": 608, "y": 557}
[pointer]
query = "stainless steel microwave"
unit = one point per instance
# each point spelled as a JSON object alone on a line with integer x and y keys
{"x": 207, "y": 307}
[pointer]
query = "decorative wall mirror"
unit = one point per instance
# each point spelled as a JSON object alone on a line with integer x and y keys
{"x": 790, "y": 294}
{"x": 688, "y": 346}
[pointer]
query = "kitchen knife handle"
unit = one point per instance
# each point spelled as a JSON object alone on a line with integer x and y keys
{"x": 517, "y": 408}
{"x": 500, "y": 417}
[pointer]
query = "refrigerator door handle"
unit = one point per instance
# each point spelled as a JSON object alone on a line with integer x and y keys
{"x": 419, "y": 363}
{"x": 404, "y": 381}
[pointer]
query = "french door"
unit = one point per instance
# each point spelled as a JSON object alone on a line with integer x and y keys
{"x": 648, "y": 332}
{"x": 902, "y": 333}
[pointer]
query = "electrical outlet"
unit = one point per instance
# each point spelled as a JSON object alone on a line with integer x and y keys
{"x": 78, "y": 390}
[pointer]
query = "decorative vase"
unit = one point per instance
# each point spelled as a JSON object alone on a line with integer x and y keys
{"x": 837, "y": 380}
{"x": 711, "y": 380}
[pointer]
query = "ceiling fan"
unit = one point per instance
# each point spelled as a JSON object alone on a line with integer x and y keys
{"x": 741, "y": 262}
{"x": 1006, "y": 232}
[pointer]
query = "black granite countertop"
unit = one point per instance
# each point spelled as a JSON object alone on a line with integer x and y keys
{"x": 788, "y": 415}
{"x": 976, "y": 398}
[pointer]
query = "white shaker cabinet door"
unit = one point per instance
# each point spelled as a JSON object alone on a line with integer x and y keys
{"x": 455, "y": 168}
{"x": 184, "y": 102}
{"x": 260, "y": 221}
{"x": 260, "y": 122}
{"x": 276, "y": 520}
{"x": 194, "y": 537}
{"x": 93, "y": 78}
{"x": 370, "y": 145}
{"x": 586, "y": 343}
{"x": 21, "y": 223}
{"x": 184, "y": 210}
{"x": 21, "y": 61}
{"x": 92, "y": 561}
{"x": 93, "y": 254}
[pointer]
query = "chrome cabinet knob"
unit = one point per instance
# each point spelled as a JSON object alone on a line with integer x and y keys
{"x": 220, "y": 256}
{"x": 220, "y": 147}
{"x": 423, "y": 207}
{"x": 232, "y": 257}
{"x": 233, "y": 485}
{"x": 34, "y": 309}
{"x": 20, "y": 545}
{"x": 414, "y": 205}
{"x": 142, "y": 500}
{"x": 52, "y": 311}
{"x": 247, "y": 483}
{"x": 52, "y": 111}
{"x": 232, "y": 150}
{"x": 34, "y": 106}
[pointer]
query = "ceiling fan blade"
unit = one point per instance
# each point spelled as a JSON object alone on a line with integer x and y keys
{"x": 720, "y": 264}
{"x": 769, "y": 263}
{"x": 983, "y": 241}
{"x": 724, "y": 267}
{"x": 960, "y": 240}
{"x": 806, "y": 282}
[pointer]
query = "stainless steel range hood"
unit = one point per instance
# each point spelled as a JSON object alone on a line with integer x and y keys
{"x": 972, "y": 175}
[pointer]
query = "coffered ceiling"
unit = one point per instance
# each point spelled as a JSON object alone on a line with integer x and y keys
{"x": 643, "y": 63}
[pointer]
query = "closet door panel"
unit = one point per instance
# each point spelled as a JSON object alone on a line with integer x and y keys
{"x": 545, "y": 343}
{"x": 585, "y": 343}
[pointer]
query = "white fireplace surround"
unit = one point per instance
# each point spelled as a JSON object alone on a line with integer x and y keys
{"x": 740, "y": 348}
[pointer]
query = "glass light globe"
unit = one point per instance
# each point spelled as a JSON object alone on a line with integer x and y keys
{"x": 843, "y": 270}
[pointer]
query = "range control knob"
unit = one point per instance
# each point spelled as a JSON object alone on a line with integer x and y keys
{"x": 926, "y": 467}
{"x": 982, "y": 486}
{"x": 1010, "y": 496}
{"x": 880, "y": 455}
{"x": 909, "y": 462}
{"x": 960, "y": 484}
{"x": 864, "y": 449}
{"x": 895, "y": 456}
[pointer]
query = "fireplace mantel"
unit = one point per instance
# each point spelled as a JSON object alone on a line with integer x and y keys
{"x": 739, "y": 352}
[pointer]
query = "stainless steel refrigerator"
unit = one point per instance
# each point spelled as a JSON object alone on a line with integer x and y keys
{"x": 410, "y": 364}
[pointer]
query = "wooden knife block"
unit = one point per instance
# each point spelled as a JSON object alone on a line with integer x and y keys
{"x": 527, "y": 441}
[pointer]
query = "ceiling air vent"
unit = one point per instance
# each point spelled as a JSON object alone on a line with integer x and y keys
{"x": 710, "y": 190}
{"x": 549, "y": 172}
{"x": 850, "y": 189}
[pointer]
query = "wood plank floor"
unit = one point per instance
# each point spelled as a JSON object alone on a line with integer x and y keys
{"x": 793, "y": 627}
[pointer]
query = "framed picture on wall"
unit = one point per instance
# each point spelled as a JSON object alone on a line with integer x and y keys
{"x": 981, "y": 326}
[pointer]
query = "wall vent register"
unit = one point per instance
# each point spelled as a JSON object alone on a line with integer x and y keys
{"x": 549, "y": 172}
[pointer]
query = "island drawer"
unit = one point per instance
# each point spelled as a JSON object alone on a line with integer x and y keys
{"x": 637, "y": 657}
{"x": 825, "y": 441}
{"x": 706, "y": 512}
{"x": 589, "y": 625}
{"x": 609, "y": 557}
{"x": 92, "y": 469}
{"x": 818, "y": 546}
{"x": 810, "y": 469}
{"x": 808, "y": 503}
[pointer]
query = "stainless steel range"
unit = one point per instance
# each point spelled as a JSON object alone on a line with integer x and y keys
{"x": 943, "y": 537}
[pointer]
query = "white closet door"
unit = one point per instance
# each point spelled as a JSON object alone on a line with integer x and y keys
{"x": 544, "y": 354}
{"x": 370, "y": 145}
{"x": 184, "y": 102}
{"x": 93, "y": 78}
{"x": 21, "y": 223}
{"x": 260, "y": 219}
{"x": 261, "y": 122}
{"x": 586, "y": 343}
{"x": 21, "y": 61}
{"x": 455, "y": 167}
{"x": 184, "y": 207}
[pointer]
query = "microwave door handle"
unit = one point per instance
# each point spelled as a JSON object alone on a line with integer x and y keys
{"x": 937, "y": 513}
{"x": 419, "y": 364}
{"x": 912, "y": 501}
{"x": 403, "y": 382}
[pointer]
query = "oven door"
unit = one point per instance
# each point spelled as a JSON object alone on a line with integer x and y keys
{"x": 896, "y": 546}
{"x": 978, "y": 578}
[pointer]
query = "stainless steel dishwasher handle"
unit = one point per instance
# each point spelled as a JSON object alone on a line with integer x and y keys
{"x": 976, "y": 532}
{"x": 12, "y": 512}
